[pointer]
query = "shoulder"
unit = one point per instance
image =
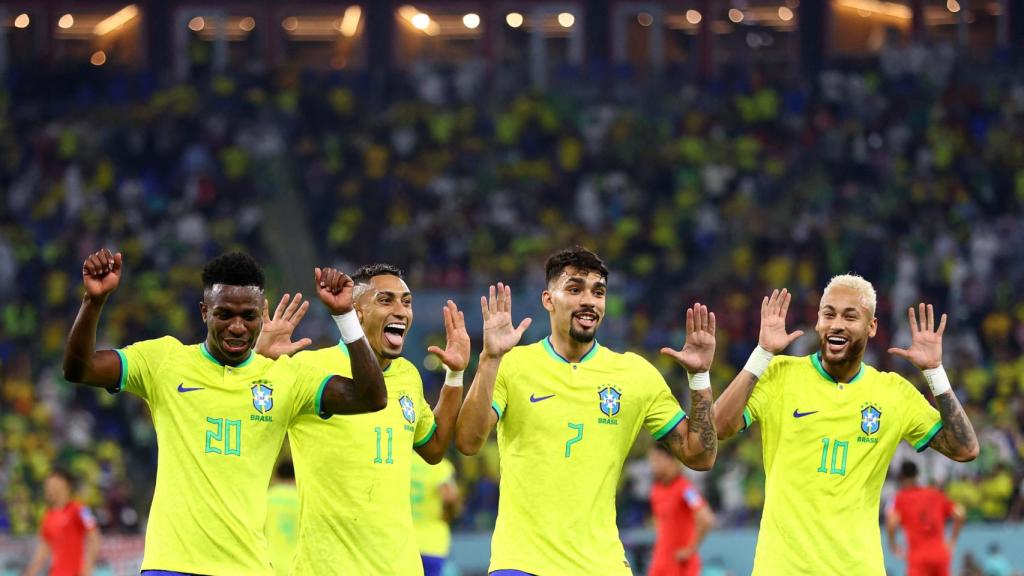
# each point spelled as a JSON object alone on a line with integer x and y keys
{"x": 165, "y": 343}
{"x": 893, "y": 382}
{"x": 405, "y": 370}
{"x": 522, "y": 355}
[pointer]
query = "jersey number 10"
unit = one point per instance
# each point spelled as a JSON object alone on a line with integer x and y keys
{"x": 838, "y": 462}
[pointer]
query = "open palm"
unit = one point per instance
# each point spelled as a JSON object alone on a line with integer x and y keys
{"x": 276, "y": 336}
{"x": 773, "y": 336}
{"x": 455, "y": 354}
{"x": 500, "y": 335}
{"x": 699, "y": 349}
{"x": 925, "y": 350}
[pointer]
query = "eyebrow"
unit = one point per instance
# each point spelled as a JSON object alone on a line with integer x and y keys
{"x": 847, "y": 309}
{"x": 390, "y": 293}
{"x": 582, "y": 280}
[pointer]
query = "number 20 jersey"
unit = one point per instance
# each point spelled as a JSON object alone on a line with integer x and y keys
{"x": 564, "y": 431}
{"x": 827, "y": 446}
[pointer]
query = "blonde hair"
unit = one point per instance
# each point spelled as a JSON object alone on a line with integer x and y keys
{"x": 859, "y": 284}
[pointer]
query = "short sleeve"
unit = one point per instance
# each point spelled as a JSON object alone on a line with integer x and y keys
{"x": 141, "y": 361}
{"x": 692, "y": 498}
{"x": 86, "y": 517}
{"x": 759, "y": 403}
{"x": 663, "y": 412}
{"x": 425, "y": 425}
{"x": 307, "y": 389}
{"x": 499, "y": 401}
{"x": 921, "y": 421}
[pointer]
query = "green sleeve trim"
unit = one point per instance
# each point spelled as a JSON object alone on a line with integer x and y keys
{"x": 747, "y": 419}
{"x": 670, "y": 425}
{"x": 433, "y": 428}
{"x": 497, "y": 409}
{"x": 320, "y": 397}
{"x": 922, "y": 445}
{"x": 124, "y": 372}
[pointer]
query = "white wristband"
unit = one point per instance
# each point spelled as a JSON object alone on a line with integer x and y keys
{"x": 937, "y": 380}
{"x": 699, "y": 381}
{"x": 453, "y": 379}
{"x": 758, "y": 361}
{"x": 348, "y": 325}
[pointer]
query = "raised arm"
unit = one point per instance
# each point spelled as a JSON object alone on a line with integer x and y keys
{"x": 83, "y": 364}
{"x": 693, "y": 441}
{"x": 455, "y": 357}
{"x": 956, "y": 440}
{"x": 476, "y": 418}
{"x": 365, "y": 391}
{"x": 772, "y": 339}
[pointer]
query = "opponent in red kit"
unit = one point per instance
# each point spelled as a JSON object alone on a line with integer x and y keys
{"x": 923, "y": 512}
{"x": 68, "y": 534}
{"x": 681, "y": 516}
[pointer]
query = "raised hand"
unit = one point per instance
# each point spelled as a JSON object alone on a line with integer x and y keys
{"x": 773, "y": 336}
{"x": 699, "y": 349}
{"x": 101, "y": 273}
{"x": 276, "y": 337}
{"x": 500, "y": 335}
{"x": 925, "y": 341}
{"x": 456, "y": 348}
{"x": 335, "y": 289}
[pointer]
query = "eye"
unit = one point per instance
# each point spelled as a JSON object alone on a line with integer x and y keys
{"x": 828, "y": 314}
{"x": 599, "y": 293}
{"x": 573, "y": 290}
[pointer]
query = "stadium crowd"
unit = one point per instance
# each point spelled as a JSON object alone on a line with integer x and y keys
{"x": 717, "y": 195}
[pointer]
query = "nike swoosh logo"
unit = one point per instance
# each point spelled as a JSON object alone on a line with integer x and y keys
{"x": 538, "y": 399}
{"x": 181, "y": 388}
{"x": 798, "y": 414}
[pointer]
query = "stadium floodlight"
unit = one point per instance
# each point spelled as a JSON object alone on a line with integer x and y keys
{"x": 247, "y": 24}
{"x": 66, "y": 21}
{"x": 736, "y": 15}
{"x": 421, "y": 21}
{"x": 471, "y": 21}
{"x": 953, "y": 6}
{"x": 197, "y": 24}
{"x": 566, "y": 19}
{"x": 693, "y": 17}
{"x": 785, "y": 13}
{"x": 290, "y": 23}
{"x": 645, "y": 19}
{"x": 350, "y": 21}
{"x": 22, "y": 21}
{"x": 514, "y": 19}
{"x": 116, "y": 20}
{"x": 99, "y": 58}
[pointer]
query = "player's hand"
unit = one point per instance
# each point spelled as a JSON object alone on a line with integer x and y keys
{"x": 925, "y": 341}
{"x": 773, "y": 336}
{"x": 456, "y": 348}
{"x": 684, "y": 554}
{"x": 276, "y": 337}
{"x": 335, "y": 290}
{"x": 699, "y": 349}
{"x": 101, "y": 273}
{"x": 500, "y": 335}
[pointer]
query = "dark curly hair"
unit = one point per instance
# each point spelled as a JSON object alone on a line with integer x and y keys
{"x": 576, "y": 257}
{"x": 233, "y": 269}
{"x": 364, "y": 273}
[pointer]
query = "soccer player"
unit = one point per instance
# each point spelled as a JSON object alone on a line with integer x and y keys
{"x": 922, "y": 512}
{"x": 435, "y": 504}
{"x": 220, "y": 411}
{"x": 283, "y": 518}
{"x": 830, "y": 425}
{"x": 367, "y": 527}
{"x": 682, "y": 518}
{"x": 68, "y": 534}
{"x": 567, "y": 411}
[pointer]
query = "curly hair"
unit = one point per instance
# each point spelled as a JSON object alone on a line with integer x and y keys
{"x": 364, "y": 273}
{"x": 233, "y": 269}
{"x": 577, "y": 257}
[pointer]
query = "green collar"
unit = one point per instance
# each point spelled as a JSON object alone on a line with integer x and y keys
{"x": 344, "y": 350}
{"x": 208, "y": 356}
{"x": 816, "y": 360}
{"x": 551, "y": 352}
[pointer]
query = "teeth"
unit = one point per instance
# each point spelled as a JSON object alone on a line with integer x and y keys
{"x": 396, "y": 325}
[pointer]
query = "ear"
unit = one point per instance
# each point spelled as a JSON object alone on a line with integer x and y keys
{"x": 203, "y": 310}
{"x": 547, "y": 301}
{"x": 873, "y": 328}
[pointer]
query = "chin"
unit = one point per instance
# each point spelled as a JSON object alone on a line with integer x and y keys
{"x": 583, "y": 337}
{"x": 391, "y": 354}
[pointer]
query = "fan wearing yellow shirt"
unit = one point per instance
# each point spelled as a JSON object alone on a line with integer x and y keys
{"x": 830, "y": 425}
{"x": 435, "y": 504}
{"x": 366, "y": 526}
{"x": 567, "y": 412}
{"x": 220, "y": 410}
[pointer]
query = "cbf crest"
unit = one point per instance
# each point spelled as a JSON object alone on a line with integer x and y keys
{"x": 262, "y": 396}
{"x": 611, "y": 400}
{"x": 870, "y": 419}
{"x": 408, "y": 409}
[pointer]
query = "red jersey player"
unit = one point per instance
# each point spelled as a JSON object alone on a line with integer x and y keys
{"x": 68, "y": 533}
{"x": 681, "y": 516}
{"x": 923, "y": 512}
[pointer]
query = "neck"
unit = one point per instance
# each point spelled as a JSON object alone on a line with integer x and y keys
{"x": 59, "y": 503}
{"x": 841, "y": 372}
{"x": 567, "y": 347}
{"x": 384, "y": 362}
{"x": 669, "y": 479}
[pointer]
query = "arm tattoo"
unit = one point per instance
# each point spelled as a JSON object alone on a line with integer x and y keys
{"x": 957, "y": 437}
{"x": 701, "y": 421}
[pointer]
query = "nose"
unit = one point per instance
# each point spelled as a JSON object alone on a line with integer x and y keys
{"x": 237, "y": 326}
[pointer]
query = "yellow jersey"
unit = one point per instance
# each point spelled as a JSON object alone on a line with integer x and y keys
{"x": 355, "y": 514}
{"x": 219, "y": 430}
{"x": 432, "y": 531}
{"x": 564, "y": 431}
{"x": 282, "y": 525}
{"x": 822, "y": 488}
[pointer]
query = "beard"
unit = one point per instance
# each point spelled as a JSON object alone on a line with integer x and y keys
{"x": 581, "y": 336}
{"x": 854, "y": 351}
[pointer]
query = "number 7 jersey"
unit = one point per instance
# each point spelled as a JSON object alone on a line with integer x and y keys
{"x": 827, "y": 446}
{"x": 564, "y": 431}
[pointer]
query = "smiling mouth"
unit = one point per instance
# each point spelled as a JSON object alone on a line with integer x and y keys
{"x": 586, "y": 319}
{"x": 235, "y": 345}
{"x": 394, "y": 334}
{"x": 836, "y": 343}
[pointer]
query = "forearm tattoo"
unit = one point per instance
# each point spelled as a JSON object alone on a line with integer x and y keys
{"x": 957, "y": 435}
{"x": 701, "y": 421}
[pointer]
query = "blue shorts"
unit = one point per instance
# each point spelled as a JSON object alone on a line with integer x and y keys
{"x": 432, "y": 565}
